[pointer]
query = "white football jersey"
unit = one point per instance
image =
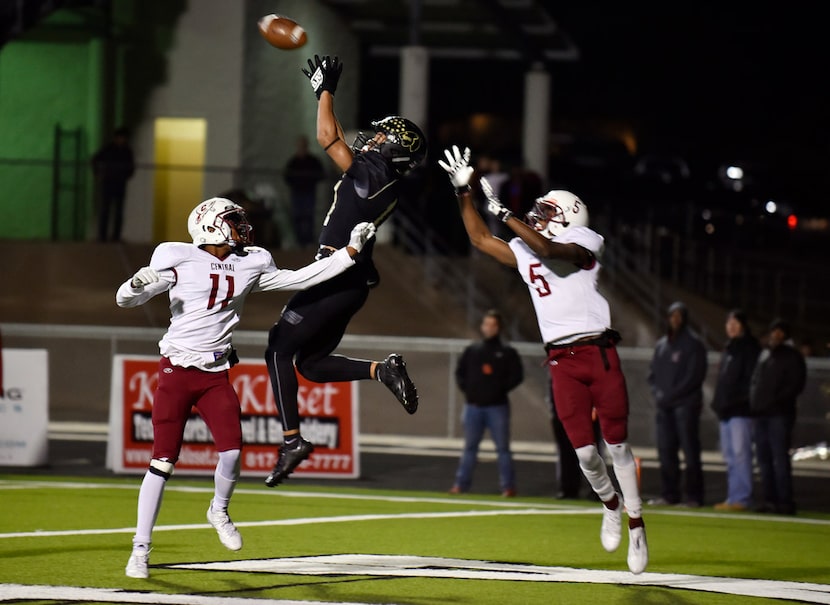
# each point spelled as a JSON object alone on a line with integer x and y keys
{"x": 207, "y": 295}
{"x": 567, "y": 302}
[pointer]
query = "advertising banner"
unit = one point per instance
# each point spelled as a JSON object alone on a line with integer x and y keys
{"x": 328, "y": 411}
{"x": 24, "y": 407}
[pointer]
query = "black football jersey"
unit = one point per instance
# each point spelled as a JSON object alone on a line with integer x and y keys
{"x": 367, "y": 191}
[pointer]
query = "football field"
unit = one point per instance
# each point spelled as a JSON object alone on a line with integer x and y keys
{"x": 67, "y": 540}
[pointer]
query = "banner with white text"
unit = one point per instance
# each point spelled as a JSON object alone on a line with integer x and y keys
{"x": 24, "y": 407}
{"x": 328, "y": 413}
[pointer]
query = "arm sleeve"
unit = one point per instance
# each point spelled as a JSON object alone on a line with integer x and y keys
{"x": 460, "y": 374}
{"x": 164, "y": 258}
{"x": 516, "y": 370}
{"x": 128, "y": 297}
{"x": 305, "y": 277}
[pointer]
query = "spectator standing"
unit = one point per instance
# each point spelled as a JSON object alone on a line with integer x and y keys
{"x": 486, "y": 372}
{"x": 113, "y": 165}
{"x": 779, "y": 378}
{"x": 302, "y": 174}
{"x": 731, "y": 405}
{"x": 677, "y": 371}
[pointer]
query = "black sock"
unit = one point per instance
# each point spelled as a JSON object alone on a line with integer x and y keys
{"x": 291, "y": 442}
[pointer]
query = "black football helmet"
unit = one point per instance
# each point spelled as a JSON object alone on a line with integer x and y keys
{"x": 405, "y": 145}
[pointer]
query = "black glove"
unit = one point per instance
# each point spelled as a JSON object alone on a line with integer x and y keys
{"x": 323, "y": 74}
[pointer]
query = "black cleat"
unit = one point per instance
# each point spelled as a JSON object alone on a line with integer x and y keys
{"x": 392, "y": 373}
{"x": 288, "y": 460}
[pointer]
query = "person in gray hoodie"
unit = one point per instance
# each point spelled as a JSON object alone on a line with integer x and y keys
{"x": 677, "y": 371}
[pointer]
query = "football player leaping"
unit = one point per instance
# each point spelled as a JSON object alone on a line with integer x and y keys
{"x": 557, "y": 256}
{"x": 314, "y": 321}
{"x": 208, "y": 281}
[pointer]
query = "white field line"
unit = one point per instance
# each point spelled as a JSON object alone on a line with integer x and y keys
{"x": 62, "y": 594}
{"x": 502, "y": 508}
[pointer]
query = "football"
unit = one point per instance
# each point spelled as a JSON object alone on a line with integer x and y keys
{"x": 282, "y": 32}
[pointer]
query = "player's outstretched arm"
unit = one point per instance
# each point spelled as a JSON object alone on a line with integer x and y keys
{"x": 459, "y": 170}
{"x": 545, "y": 248}
{"x": 141, "y": 287}
{"x": 320, "y": 270}
{"x": 324, "y": 74}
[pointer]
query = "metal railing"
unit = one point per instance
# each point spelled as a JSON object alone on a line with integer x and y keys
{"x": 80, "y": 360}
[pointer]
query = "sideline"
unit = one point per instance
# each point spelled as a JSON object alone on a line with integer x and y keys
{"x": 408, "y": 445}
{"x": 497, "y": 507}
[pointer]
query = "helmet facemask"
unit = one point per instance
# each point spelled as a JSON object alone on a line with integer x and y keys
{"x": 361, "y": 142}
{"x": 238, "y": 220}
{"x": 219, "y": 221}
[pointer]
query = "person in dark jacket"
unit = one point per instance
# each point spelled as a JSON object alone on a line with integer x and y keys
{"x": 778, "y": 380}
{"x": 302, "y": 173}
{"x": 677, "y": 371}
{"x": 486, "y": 372}
{"x": 113, "y": 165}
{"x": 731, "y": 405}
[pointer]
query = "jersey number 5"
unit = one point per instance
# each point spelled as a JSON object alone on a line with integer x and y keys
{"x": 539, "y": 282}
{"x": 214, "y": 290}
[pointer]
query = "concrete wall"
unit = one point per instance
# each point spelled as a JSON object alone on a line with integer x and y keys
{"x": 203, "y": 80}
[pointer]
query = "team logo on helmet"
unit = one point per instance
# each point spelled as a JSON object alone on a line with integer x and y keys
{"x": 410, "y": 140}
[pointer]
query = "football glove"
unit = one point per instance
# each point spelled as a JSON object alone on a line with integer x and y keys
{"x": 143, "y": 277}
{"x": 458, "y": 167}
{"x": 361, "y": 233}
{"x": 494, "y": 205}
{"x": 323, "y": 74}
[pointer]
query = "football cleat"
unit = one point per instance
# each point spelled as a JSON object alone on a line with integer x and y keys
{"x": 392, "y": 373}
{"x": 610, "y": 533}
{"x": 637, "y": 550}
{"x": 288, "y": 460}
{"x": 221, "y": 522}
{"x": 137, "y": 564}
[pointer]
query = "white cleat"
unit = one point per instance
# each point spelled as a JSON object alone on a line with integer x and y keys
{"x": 610, "y": 533}
{"x": 637, "y": 550}
{"x": 137, "y": 565}
{"x": 221, "y": 522}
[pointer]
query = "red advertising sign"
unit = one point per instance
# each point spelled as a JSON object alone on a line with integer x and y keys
{"x": 328, "y": 413}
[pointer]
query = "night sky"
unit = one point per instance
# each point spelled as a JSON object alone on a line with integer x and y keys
{"x": 712, "y": 84}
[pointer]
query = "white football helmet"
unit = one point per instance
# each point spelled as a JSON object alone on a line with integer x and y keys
{"x": 556, "y": 211}
{"x": 211, "y": 222}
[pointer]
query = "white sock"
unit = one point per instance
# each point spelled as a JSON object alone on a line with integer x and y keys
{"x": 149, "y": 503}
{"x": 225, "y": 477}
{"x": 593, "y": 467}
{"x": 625, "y": 468}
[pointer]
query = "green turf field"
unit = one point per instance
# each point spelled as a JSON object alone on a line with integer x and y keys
{"x": 66, "y": 540}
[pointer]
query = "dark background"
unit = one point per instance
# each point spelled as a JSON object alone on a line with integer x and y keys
{"x": 710, "y": 83}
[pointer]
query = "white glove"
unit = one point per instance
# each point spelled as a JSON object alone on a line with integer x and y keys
{"x": 144, "y": 277}
{"x": 494, "y": 205}
{"x": 361, "y": 233}
{"x": 458, "y": 167}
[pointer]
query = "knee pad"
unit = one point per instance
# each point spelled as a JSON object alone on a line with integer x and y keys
{"x": 162, "y": 468}
{"x": 589, "y": 458}
{"x": 620, "y": 453}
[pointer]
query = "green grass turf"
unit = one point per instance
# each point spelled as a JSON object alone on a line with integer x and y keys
{"x": 545, "y": 533}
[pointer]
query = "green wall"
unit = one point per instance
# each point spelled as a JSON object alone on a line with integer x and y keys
{"x": 43, "y": 85}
